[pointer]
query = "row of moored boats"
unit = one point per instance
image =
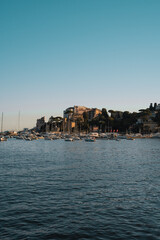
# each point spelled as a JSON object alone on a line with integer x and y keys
{"x": 74, "y": 137}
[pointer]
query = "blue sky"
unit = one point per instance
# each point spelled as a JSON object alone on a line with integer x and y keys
{"x": 59, "y": 53}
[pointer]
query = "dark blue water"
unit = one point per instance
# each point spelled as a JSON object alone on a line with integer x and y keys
{"x": 79, "y": 190}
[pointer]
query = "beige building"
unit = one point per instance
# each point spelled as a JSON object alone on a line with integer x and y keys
{"x": 94, "y": 112}
{"x": 73, "y": 115}
{"x": 75, "y": 111}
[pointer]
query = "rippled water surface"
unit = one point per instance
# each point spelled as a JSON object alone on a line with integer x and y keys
{"x": 80, "y": 190}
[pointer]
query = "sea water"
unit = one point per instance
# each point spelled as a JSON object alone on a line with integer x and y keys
{"x": 80, "y": 190}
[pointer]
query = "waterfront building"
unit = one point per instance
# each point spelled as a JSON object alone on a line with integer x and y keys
{"x": 75, "y": 111}
{"x": 74, "y": 117}
{"x": 40, "y": 123}
{"x": 78, "y": 111}
{"x": 94, "y": 112}
{"x": 158, "y": 107}
{"x": 68, "y": 113}
{"x": 54, "y": 124}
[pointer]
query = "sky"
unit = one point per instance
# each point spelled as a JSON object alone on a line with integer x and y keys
{"x": 59, "y": 53}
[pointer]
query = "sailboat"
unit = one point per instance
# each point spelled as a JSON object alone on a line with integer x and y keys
{"x": 2, "y": 138}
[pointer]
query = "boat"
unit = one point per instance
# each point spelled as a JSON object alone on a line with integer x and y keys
{"x": 28, "y": 139}
{"x": 135, "y": 136}
{"x": 48, "y": 138}
{"x": 34, "y": 138}
{"x": 68, "y": 139}
{"x": 90, "y": 139}
{"x": 103, "y": 136}
{"x": 20, "y": 137}
{"x": 2, "y": 139}
{"x": 156, "y": 135}
{"x": 56, "y": 137}
{"x": 130, "y": 138}
{"x": 40, "y": 137}
{"x": 122, "y": 137}
{"x": 77, "y": 138}
{"x": 93, "y": 135}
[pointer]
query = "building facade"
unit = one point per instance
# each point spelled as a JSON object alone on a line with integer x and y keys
{"x": 40, "y": 123}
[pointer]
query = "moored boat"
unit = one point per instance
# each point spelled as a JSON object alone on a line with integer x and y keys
{"x": 48, "y": 138}
{"x": 28, "y": 139}
{"x": 90, "y": 139}
{"x": 130, "y": 138}
{"x": 156, "y": 135}
{"x": 69, "y": 139}
{"x": 2, "y": 139}
{"x": 19, "y": 137}
{"x": 77, "y": 138}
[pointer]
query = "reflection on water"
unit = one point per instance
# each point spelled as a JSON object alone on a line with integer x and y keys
{"x": 80, "y": 190}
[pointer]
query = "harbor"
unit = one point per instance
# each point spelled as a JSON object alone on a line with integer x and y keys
{"x": 80, "y": 122}
{"x": 76, "y": 137}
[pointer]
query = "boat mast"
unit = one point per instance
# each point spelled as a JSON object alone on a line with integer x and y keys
{"x": 2, "y": 123}
{"x": 19, "y": 121}
{"x": 108, "y": 125}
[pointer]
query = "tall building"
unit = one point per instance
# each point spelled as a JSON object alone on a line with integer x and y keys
{"x": 40, "y": 123}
